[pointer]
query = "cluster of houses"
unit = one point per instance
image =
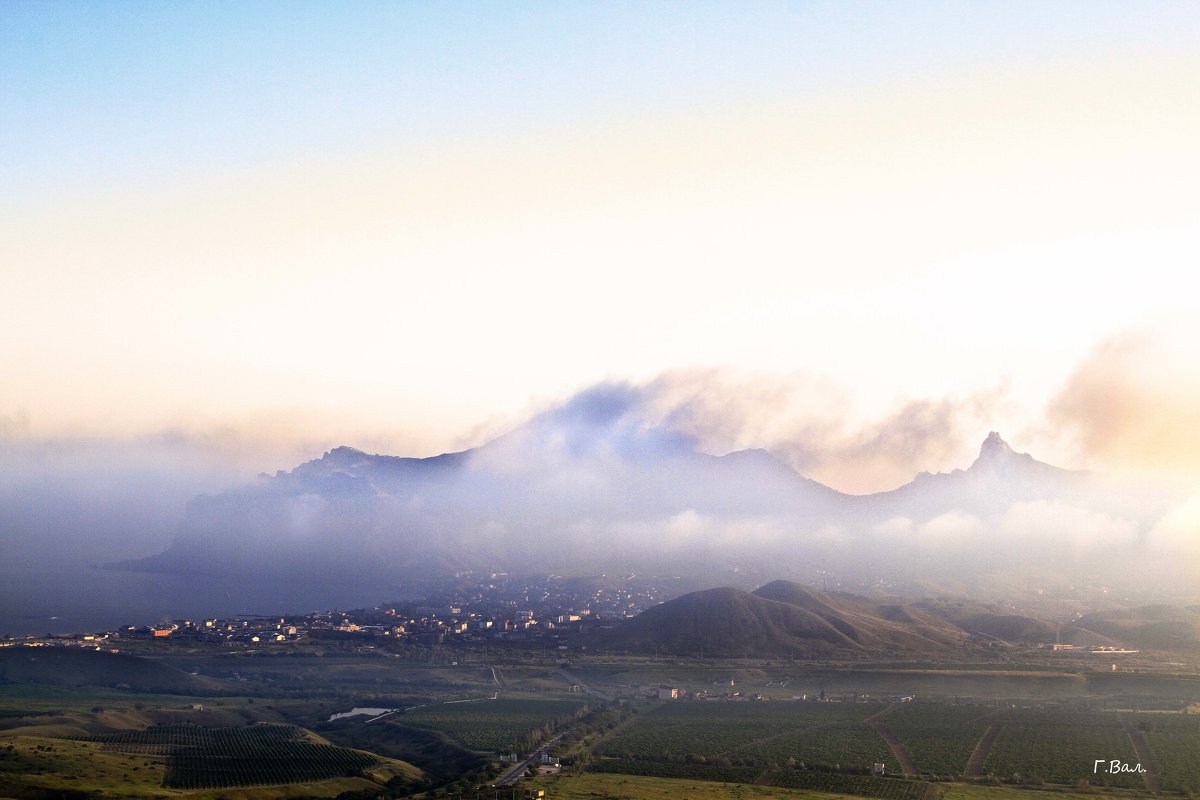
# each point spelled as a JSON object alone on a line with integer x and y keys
{"x": 425, "y": 626}
{"x": 495, "y": 606}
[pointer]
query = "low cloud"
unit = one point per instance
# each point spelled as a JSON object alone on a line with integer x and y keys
{"x": 894, "y": 527}
{"x": 920, "y": 435}
{"x": 953, "y": 529}
{"x": 1042, "y": 524}
{"x": 1178, "y": 532}
{"x": 802, "y": 418}
{"x": 1134, "y": 402}
{"x": 15, "y": 425}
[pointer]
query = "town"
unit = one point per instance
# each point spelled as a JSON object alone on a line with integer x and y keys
{"x": 546, "y": 611}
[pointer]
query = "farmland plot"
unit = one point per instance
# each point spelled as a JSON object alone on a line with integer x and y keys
{"x": 831, "y": 735}
{"x": 1061, "y": 746}
{"x": 493, "y": 725}
{"x": 1174, "y": 741}
{"x": 940, "y": 738}
{"x": 217, "y": 758}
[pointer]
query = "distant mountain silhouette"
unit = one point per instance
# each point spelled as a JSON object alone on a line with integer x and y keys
{"x": 996, "y": 479}
{"x": 1155, "y": 627}
{"x": 583, "y": 488}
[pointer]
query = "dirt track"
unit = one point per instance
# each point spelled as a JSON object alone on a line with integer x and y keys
{"x": 979, "y": 757}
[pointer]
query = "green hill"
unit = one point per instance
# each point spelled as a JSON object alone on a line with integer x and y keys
{"x": 728, "y": 622}
{"x": 77, "y": 666}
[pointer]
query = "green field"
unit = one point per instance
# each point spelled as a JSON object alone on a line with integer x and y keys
{"x": 1060, "y": 746}
{"x": 671, "y": 769}
{"x": 592, "y": 786}
{"x": 493, "y": 725}
{"x": 65, "y": 768}
{"x": 856, "y": 785}
{"x": 215, "y": 758}
{"x": 940, "y": 738}
{"x": 829, "y": 735}
{"x": 257, "y": 740}
{"x": 21, "y": 699}
{"x": 1174, "y": 741}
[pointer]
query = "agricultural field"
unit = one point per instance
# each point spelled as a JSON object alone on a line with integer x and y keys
{"x": 1174, "y": 741}
{"x": 20, "y": 699}
{"x": 855, "y": 785}
{"x": 212, "y": 758}
{"x": 962, "y": 791}
{"x": 493, "y": 725}
{"x": 940, "y": 738}
{"x": 33, "y": 766}
{"x": 333, "y": 678}
{"x": 62, "y": 765}
{"x": 831, "y": 735}
{"x": 430, "y": 751}
{"x": 1060, "y": 746}
{"x": 682, "y": 770}
{"x": 591, "y": 786}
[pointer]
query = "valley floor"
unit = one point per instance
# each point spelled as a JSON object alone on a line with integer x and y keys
{"x": 591, "y": 786}
{"x": 634, "y": 729}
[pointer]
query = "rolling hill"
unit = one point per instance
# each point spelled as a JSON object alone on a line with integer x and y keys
{"x": 77, "y": 666}
{"x": 732, "y": 623}
{"x": 789, "y": 620}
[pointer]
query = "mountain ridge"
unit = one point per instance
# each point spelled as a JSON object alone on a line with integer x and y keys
{"x": 590, "y": 490}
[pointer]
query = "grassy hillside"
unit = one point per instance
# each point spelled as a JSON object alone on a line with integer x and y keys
{"x": 728, "y": 622}
{"x": 77, "y": 666}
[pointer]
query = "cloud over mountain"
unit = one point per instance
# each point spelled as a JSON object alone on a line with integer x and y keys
{"x": 802, "y": 418}
{"x": 669, "y": 474}
{"x": 612, "y": 479}
{"x": 1134, "y": 402}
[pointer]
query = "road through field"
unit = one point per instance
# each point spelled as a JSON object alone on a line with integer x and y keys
{"x": 898, "y": 749}
{"x": 1152, "y": 777}
{"x": 979, "y": 756}
{"x": 514, "y": 774}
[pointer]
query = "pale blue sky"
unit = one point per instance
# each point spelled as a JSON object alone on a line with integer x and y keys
{"x": 125, "y": 92}
{"x": 415, "y": 223}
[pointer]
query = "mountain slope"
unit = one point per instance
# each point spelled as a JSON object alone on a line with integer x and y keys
{"x": 997, "y": 478}
{"x": 587, "y": 488}
{"x": 784, "y": 619}
{"x": 729, "y": 622}
{"x": 1153, "y": 627}
{"x": 879, "y": 627}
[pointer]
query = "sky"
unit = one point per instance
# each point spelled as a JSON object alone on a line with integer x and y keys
{"x": 862, "y": 235}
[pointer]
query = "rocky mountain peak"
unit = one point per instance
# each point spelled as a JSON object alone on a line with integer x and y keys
{"x": 994, "y": 448}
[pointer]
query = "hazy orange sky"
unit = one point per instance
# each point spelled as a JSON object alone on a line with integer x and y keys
{"x": 864, "y": 235}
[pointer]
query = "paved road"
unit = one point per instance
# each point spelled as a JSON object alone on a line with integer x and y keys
{"x": 514, "y": 774}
